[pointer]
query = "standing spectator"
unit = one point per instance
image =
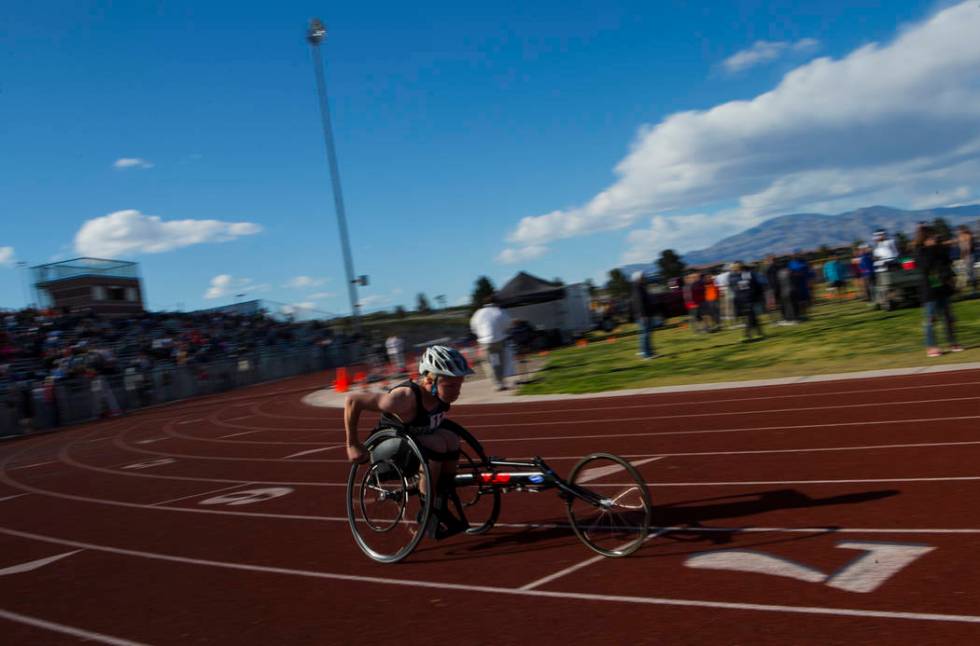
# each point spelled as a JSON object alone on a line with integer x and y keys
{"x": 100, "y": 365}
{"x": 800, "y": 277}
{"x": 710, "y": 305}
{"x": 833, "y": 276}
{"x": 726, "y": 297}
{"x": 396, "y": 351}
{"x": 936, "y": 288}
{"x": 966, "y": 245}
{"x": 694, "y": 301}
{"x": 866, "y": 270}
{"x": 490, "y": 324}
{"x": 774, "y": 301}
{"x": 788, "y": 294}
{"x": 643, "y": 312}
{"x": 748, "y": 296}
{"x": 886, "y": 250}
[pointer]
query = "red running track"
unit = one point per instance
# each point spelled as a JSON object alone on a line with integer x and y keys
{"x": 832, "y": 512}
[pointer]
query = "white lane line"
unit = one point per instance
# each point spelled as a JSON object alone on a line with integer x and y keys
{"x": 67, "y": 630}
{"x": 237, "y": 434}
{"x": 766, "y": 411}
{"x": 152, "y": 440}
{"x": 4, "y": 477}
{"x": 865, "y": 447}
{"x": 561, "y": 573}
{"x": 34, "y": 565}
{"x": 12, "y": 497}
{"x": 67, "y": 459}
{"x": 629, "y": 456}
{"x": 663, "y": 404}
{"x": 795, "y": 482}
{"x": 198, "y": 495}
{"x": 191, "y": 421}
{"x": 575, "y": 596}
{"x": 577, "y": 566}
{"x": 600, "y": 472}
{"x": 742, "y": 429}
{"x": 650, "y": 434}
{"x": 98, "y": 439}
{"x": 343, "y": 519}
{"x": 31, "y": 466}
{"x": 326, "y": 448}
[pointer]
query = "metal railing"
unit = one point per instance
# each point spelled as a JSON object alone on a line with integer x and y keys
{"x": 82, "y": 399}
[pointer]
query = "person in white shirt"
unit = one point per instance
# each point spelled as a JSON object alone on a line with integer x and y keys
{"x": 490, "y": 324}
{"x": 885, "y": 249}
{"x": 396, "y": 351}
{"x": 726, "y": 295}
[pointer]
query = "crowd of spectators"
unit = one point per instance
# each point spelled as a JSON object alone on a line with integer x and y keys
{"x": 737, "y": 295}
{"x": 39, "y": 349}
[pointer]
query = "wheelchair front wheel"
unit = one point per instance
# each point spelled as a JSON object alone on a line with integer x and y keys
{"x": 613, "y": 517}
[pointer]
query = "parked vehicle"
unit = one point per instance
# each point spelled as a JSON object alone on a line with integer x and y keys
{"x": 897, "y": 284}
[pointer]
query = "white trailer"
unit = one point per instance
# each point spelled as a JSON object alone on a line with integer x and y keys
{"x": 569, "y": 316}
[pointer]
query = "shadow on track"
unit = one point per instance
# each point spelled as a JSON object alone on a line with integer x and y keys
{"x": 688, "y": 515}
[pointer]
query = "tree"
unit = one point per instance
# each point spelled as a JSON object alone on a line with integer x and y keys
{"x": 423, "y": 304}
{"x": 591, "y": 286}
{"x": 400, "y": 312}
{"x": 942, "y": 228}
{"x": 618, "y": 286}
{"x": 670, "y": 264}
{"x": 559, "y": 282}
{"x": 481, "y": 291}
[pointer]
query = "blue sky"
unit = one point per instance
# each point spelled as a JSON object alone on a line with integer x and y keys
{"x": 559, "y": 138}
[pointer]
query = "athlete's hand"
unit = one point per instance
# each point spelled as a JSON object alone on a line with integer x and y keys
{"x": 357, "y": 453}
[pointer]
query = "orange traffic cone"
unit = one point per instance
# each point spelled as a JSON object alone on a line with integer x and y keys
{"x": 341, "y": 384}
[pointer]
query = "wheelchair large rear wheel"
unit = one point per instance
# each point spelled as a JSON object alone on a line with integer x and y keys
{"x": 388, "y": 501}
{"x": 613, "y": 514}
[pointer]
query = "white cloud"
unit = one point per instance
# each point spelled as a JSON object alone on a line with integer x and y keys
{"x": 131, "y": 162}
{"x": 127, "y": 232}
{"x": 764, "y": 51}
{"x": 683, "y": 233}
{"x": 7, "y": 256}
{"x": 510, "y": 255}
{"x": 225, "y": 285}
{"x": 889, "y": 123}
{"x": 303, "y": 282}
{"x": 322, "y": 295}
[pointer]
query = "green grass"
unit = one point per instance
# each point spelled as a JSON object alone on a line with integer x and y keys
{"x": 839, "y": 337}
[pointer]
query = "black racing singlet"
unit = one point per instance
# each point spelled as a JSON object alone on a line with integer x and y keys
{"x": 424, "y": 421}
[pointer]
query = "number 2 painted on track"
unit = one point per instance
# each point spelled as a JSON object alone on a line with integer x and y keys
{"x": 865, "y": 573}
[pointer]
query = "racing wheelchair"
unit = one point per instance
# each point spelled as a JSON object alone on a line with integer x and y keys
{"x": 390, "y": 496}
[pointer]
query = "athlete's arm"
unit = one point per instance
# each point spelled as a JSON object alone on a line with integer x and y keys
{"x": 399, "y": 403}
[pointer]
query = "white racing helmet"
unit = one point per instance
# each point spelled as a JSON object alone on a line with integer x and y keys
{"x": 444, "y": 361}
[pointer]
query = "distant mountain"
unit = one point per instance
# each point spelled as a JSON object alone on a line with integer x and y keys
{"x": 783, "y": 234}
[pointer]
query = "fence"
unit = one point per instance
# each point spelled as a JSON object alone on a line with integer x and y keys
{"x": 82, "y": 399}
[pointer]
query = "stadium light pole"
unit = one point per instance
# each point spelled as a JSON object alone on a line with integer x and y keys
{"x": 315, "y": 35}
